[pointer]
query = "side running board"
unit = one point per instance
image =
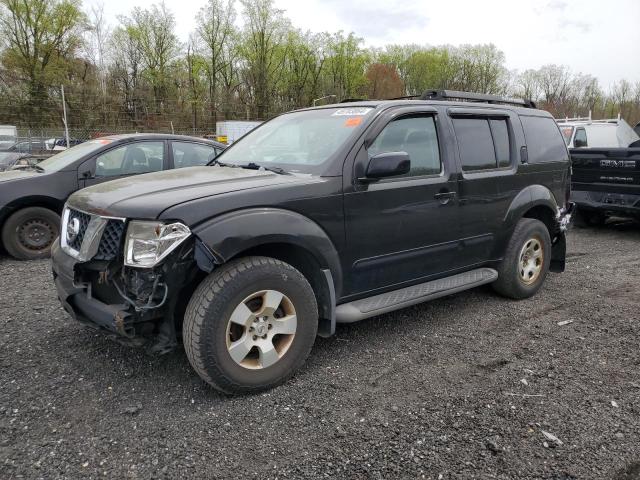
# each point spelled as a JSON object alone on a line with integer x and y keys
{"x": 405, "y": 297}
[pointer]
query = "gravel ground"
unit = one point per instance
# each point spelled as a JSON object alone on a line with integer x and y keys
{"x": 463, "y": 387}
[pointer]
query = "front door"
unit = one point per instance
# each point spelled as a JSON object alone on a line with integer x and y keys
{"x": 122, "y": 161}
{"x": 401, "y": 229}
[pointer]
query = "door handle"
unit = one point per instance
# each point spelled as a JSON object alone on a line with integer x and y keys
{"x": 444, "y": 197}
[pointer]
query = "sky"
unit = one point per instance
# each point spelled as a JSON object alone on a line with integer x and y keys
{"x": 599, "y": 37}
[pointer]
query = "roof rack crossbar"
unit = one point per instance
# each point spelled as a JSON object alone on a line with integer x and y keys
{"x": 475, "y": 97}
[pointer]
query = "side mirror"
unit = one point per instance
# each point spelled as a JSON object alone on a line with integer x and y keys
{"x": 579, "y": 143}
{"x": 388, "y": 165}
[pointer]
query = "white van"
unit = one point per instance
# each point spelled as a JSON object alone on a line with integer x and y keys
{"x": 8, "y": 136}
{"x": 609, "y": 133}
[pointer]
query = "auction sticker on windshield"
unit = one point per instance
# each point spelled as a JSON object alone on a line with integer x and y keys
{"x": 351, "y": 112}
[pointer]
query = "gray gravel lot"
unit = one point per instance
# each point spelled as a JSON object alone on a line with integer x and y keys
{"x": 462, "y": 387}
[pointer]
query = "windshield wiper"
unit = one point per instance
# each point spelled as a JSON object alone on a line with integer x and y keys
{"x": 255, "y": 166}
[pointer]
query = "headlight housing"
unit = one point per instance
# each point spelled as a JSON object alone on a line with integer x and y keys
{"x": 148, "y": 243}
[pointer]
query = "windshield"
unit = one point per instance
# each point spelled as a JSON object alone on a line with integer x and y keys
{"x": 67, "y": 157}
{"x": 567, "y": 132}
{"x": 297, "y": 141}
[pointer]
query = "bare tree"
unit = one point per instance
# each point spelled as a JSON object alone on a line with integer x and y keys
{"x": 215, "y": 27}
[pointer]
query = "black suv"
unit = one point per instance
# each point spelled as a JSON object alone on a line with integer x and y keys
{"x": 32, "y": 198}
{"x": 322, "y": 215}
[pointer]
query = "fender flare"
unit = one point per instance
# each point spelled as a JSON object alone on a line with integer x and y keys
{"x": 229, "y": 234}
{"x": 529, "y": 197}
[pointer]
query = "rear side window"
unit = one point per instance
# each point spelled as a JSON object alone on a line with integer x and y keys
{"x": 483, "y": 143}
{"x": 545, "y": 143}
{"x": 500, "y": 134}
{"x": 187, "y": 154}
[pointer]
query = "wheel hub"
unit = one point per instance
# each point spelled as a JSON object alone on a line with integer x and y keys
{"x": 35, "y": 234}
{"x": 531, "y": 260}
{"x": 261, "y": 326}
{"x": 261, "y": 329}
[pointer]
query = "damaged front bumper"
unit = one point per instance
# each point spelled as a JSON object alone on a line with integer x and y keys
{"x": 90, "y": 293}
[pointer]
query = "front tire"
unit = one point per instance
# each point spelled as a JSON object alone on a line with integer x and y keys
{"x": 250, "y": 325}
{"x": 526, "y": 260}
{"x": 29, "y": 233}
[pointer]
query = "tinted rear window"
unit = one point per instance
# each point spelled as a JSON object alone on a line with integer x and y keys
{"x": 483, "y": 142}
{"x": 545, "y": 143}
{"x": 500, "y": 133}
{"x": 475, "y": 143}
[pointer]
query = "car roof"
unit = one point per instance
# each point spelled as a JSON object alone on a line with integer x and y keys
{"x": 382, "y": 104}
{"x": 160, "y": 136}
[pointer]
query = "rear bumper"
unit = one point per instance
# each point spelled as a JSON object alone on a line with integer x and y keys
{"x": 623, "y": 204}
{"x": 77, "y": 301}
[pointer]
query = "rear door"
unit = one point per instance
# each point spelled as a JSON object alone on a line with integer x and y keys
{"x": 486, "y": 156}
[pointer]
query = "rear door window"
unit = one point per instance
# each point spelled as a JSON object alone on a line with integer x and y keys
{"x": 545, "y": 143}
{"x": 483, "y": 142}
{"x": 500, "y": 134}
{"x": 187, "y": 154}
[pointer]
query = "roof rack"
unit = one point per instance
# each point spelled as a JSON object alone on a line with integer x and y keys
{"x": 589, "y": 120}
{"x": 475, "y": 97}
{"x": 406, "y": 97}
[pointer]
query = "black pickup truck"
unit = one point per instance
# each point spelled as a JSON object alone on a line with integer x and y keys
{"x": 605, "y": 182}
{"x": 323, "y": 215}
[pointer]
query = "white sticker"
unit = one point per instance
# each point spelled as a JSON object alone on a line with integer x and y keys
{"x": 351, "y": 112}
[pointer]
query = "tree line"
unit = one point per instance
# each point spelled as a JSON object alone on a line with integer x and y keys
{"x": 138, "y": 74}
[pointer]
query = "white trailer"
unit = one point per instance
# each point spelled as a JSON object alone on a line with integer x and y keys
{"x": 232, "y": 130}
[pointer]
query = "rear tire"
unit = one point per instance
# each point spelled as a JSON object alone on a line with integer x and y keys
{"x": 526, "y": 260}
{"x": 250, "y": 325}
{"x": 29, "y": 233}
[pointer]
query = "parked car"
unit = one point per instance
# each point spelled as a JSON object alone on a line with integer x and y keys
{"x": 606, "y": 133}
{"x": 31, "y": 200}
{"x": 323, "y": 215}
{"x": 37, "y": 147}
{"x": 59, "y": 144}
{"x": 8, "y": 136}
{"x": 9, "y": 159}
{"x": 605, "y": 183}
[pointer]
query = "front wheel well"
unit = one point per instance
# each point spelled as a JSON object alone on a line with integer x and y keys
{"x": 303, "y": 261}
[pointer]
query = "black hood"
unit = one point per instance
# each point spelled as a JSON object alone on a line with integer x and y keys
{"x": 148, "y": 195}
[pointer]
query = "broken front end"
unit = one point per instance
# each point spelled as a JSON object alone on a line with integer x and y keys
{"x": 131, "y": 278}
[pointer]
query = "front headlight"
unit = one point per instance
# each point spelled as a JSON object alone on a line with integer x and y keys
{"x": 148, "y": 243}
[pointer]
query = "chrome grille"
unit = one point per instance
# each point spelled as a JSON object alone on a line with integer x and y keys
{"x": 86, "y": 237}
{"x": 84, "y": 220}
{"x": 111, "y": 240}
